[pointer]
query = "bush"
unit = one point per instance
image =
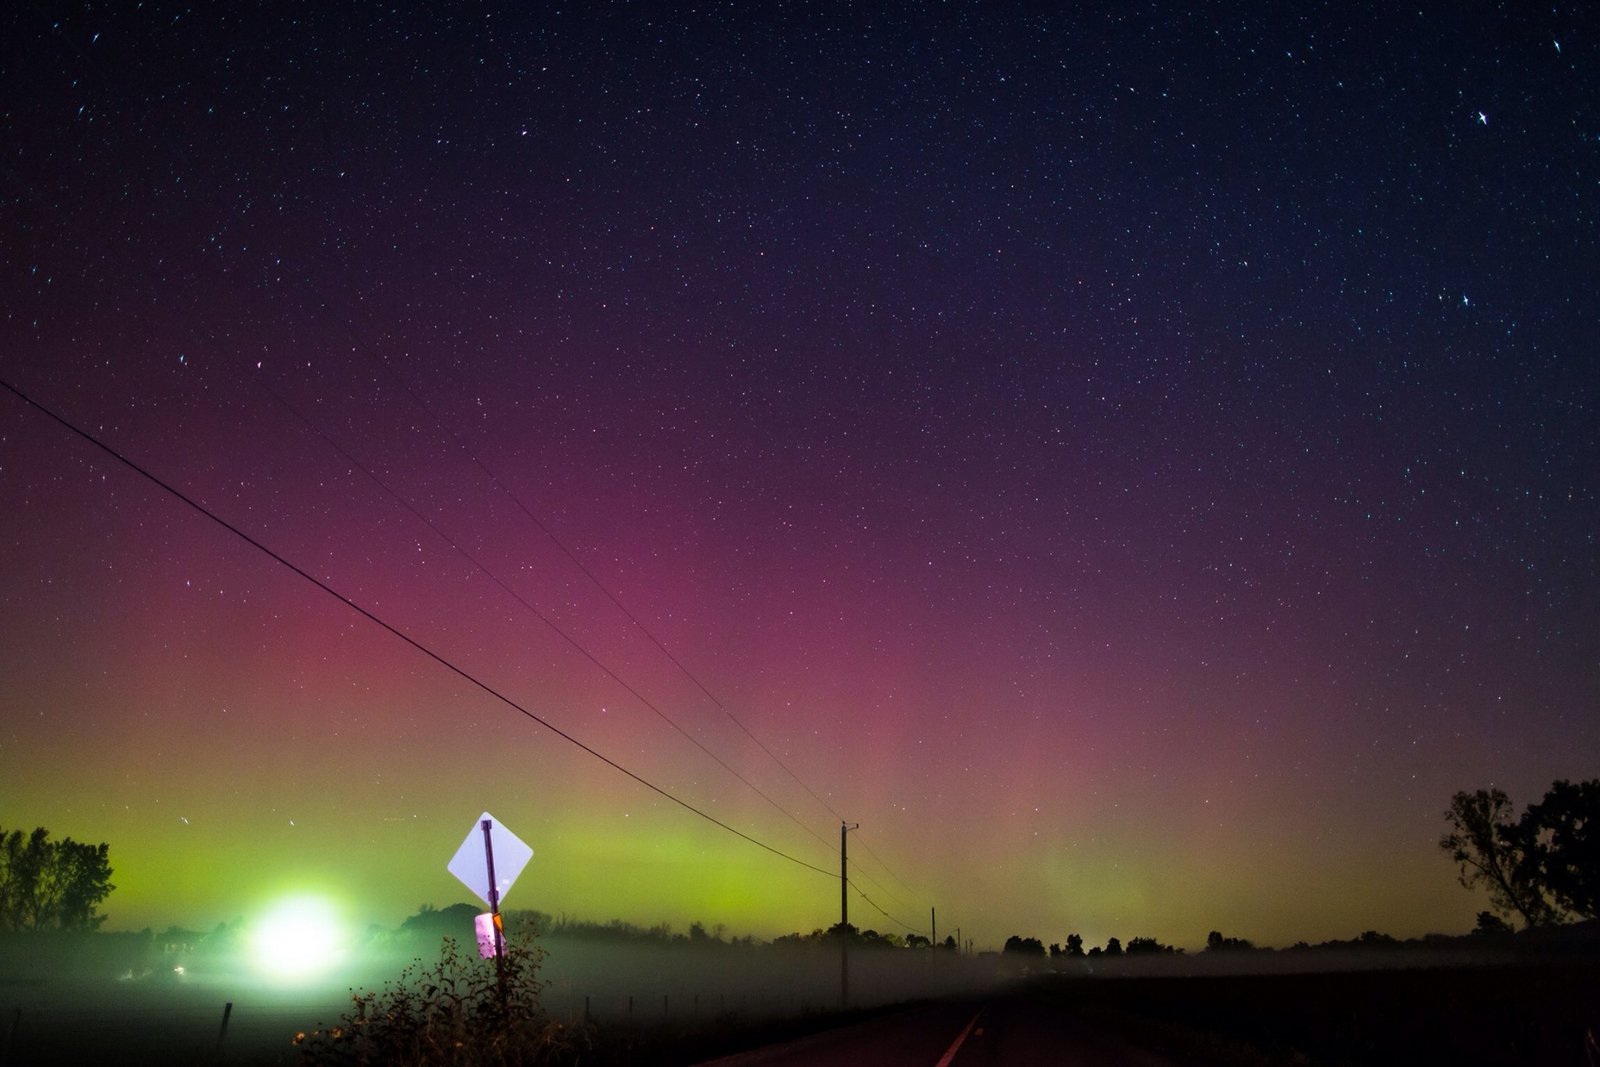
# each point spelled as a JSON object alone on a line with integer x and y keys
{"x": 457, "y": 1012}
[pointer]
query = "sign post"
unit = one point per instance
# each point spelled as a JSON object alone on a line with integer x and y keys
{"x": 494, "y": 891}
{"x": 481, "y": 877}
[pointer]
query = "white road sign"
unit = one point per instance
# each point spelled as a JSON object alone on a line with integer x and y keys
{"x": 469, "y": 864}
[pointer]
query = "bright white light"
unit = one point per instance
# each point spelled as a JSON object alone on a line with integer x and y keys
{"x": 297, "y": 939}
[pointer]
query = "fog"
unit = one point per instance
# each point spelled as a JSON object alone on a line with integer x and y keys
{"x": 134, "y": 998}
{"x": 62, "y": 999}
{"x": 756, "y": 982}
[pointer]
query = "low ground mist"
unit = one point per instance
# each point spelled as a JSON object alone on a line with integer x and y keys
{"x": 131, "y": 999}
{"x": 62, "y": 999}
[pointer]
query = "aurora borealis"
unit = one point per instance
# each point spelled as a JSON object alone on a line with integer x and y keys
{"x": 1137, "y": 463}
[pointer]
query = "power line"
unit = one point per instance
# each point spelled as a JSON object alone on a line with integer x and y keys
{"x": 560, "y": 545}
{"x": 886, "y": 915}
{"x": 399, "y": 380}
{"x": 517, "y": 500}
{"x": 532, "y": 517}
{"x": 422, "y": 404}
{"x": 887, "y": 871}
{"x": 416, "y": 398}
{"x": 541, "y": 616}
{"x": 413, "y": 642}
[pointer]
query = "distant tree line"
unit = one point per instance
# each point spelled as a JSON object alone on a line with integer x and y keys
{"x": 1215, "y": 942}
{"x": 1033, "y": 948}
{"x": 864, "y": 938}
{"x": 429, "y": 922}
{"x": 1542, "y": 867}
{"x": 51, "y": 885}
{"x": 1539, "y": 868}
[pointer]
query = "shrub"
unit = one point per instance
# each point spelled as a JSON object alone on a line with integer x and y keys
{"x": 457, "y": 1012}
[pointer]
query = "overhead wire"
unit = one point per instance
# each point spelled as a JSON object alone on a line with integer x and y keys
{"x": 372, "y": 617}
{"x": 587, "y": 573}
{"x": 851, "y": 883}
{"x": 532, "y": 517}
{"x": 541, "y": 616}
{"x": 400, "y": 382}
{"x": 868, "y": 850}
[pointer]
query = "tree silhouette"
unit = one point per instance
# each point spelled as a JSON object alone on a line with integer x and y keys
{"x": 45, "y": 884}
{"x": 1215, "y": 942}
{"x": 1563, "y": 845}
{"x": 1024, "y": 946}
{"x": 1113, "y": 947}
{"x": 1075, "y": 944}
{"x": 1492, "y": 851}
{"x": 1491, "y": 925}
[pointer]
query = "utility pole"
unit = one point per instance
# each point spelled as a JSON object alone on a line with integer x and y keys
{"x": 844, "y": 913}
{"x": 933, "y": 921}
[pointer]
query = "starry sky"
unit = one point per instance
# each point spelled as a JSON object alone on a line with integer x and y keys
{"x": 1136, "y": 462}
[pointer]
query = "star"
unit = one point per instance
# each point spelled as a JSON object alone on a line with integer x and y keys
{"x": 1483, "y": 120}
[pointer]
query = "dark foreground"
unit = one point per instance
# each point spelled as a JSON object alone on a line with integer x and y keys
{"x": 1505, "y": 1015}
{"x": 1533, "y": 1014}
{"x": 1545, "y": 1013}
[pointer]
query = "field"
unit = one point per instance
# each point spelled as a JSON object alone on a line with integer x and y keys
{"x": 643, "y": 1001}
{"x": 678, "y": 1005}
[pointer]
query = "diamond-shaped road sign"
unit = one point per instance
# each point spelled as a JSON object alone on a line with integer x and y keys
{"x": 470, "y": 865}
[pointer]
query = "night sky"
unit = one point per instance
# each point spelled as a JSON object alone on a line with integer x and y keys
{"x": 1137, "y": 463}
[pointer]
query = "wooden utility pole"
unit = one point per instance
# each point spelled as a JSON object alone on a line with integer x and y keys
{"x": 844, "y": 913}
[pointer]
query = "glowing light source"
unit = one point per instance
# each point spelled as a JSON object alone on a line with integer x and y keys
{"x": 299, "y": 938}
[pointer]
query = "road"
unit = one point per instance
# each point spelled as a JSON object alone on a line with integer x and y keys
{"x": 1013, "y": 1030}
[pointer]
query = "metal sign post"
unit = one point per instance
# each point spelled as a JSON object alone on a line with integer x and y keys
{"x": 494, "y": 892}
{"x": 488, "y": 880}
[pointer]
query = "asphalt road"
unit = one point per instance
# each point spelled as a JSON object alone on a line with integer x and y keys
{"x": 1013, "y": 1030}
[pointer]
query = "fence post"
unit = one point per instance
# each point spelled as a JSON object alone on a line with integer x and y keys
{"x": 227, "y": 1010}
